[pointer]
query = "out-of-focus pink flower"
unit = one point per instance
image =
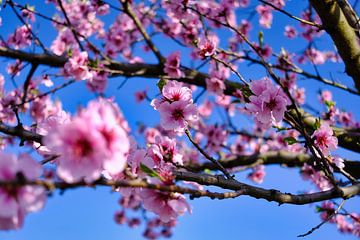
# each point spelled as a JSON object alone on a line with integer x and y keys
{"x": 205, "y": 109}
{"x": 172, "y": 65}
{"x": 343, "y": 225}
{"x": 290, "y": 32}
{"x": 215, "y": 83}
{"x": 216, "y": 137}
{"x": 324, "y": 139}
{"x": 258, "y": 174}
{"x": 266, "y": 16}
{"x": 325, "y": 96}
{"x": 63, "y": 42}
{"x": 93, "y": 141}
{"x": 317, "y": 177}
{"x": 338, "y": 161}
{"x": 77, "y": 66}
{"x": 16, "y": 202}
{"x": 98, "y": 81}
{"x": 315, "y": 56}
{"x": 167, "y": 206}
{"x": 21, "y": 38}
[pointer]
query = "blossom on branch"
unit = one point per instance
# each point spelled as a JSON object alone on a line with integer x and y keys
{"x": 16, "y": 202}
{"x": 93, "y": 141}
{"x": 268, "y": 103}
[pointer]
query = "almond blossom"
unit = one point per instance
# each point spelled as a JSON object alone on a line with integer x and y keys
{"x": 176, "y": 108}
{"x": 77, "y": 66}
{"x": 266, "y": 16}
{"x": 268, "y": 103}
{"x": 16, "y": 202}
{"x": 324, "y": 139}
{"x": 93, "y": 141}
{"x": 172, "y": 65}
{"x": 167, "y": 206}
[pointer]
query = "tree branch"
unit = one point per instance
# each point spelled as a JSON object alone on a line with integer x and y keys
{"x": 271, "y": 195}
{"x": 343, "y": 35}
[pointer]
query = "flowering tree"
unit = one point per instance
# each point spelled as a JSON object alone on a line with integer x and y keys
{"x": 218, "y": 62}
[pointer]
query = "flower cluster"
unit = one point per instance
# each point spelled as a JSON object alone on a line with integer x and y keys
{"x": 176, "y": 107}
{"x": 268, "y": 103}
{"x": 77, "y": 66}
{"x": 93, "y": 141}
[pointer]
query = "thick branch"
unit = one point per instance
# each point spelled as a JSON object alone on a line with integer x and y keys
{"x": 20, "y": 132}
{"x": 271, "y": 195}
{"x": 343, "y": 35}
{"x": 289, "y": 159}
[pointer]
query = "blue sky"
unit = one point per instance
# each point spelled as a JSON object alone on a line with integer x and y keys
{"x": 88, "y": 213}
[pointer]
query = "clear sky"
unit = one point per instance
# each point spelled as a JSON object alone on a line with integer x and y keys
{"x": 88, "y": 213}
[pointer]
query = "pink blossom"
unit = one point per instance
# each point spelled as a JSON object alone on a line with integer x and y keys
{"x": 243, "y": 3}
{"x": 172, "y": 65}
{"x": 45, "y": 126}
{"x": 205, "y": 109}
{"x": 258, "y": 174}
{"x": 216, "y": 137}
{"x": 324, "y": 139}
{"x": 77, "y": 66}
{"x": 16, "y": 202}
{"x": 176, "y": 107}
{"x": 151, "y": 134}
{"x": 343, "y": 225}
{"x": 175, "y": 91}
{"x": 93, "y": 141}
{"x": 290, "y": 32}
{"x": 140, "y": 96}
{"x": 98, "y": 81}
{"x": 28, "y": 13}
{"x": 325, "y": 96}
{"x": 207, "y": 46}
{"x": 15, "y": 68}
{"x": 299, "y": 95}
{"x": 167, "y": 206}
{"x": 266, "y": 16}
{"x": 265, "y": 50}
{"x": 317, "y": 177}
{"x": 215, "y": 84}
{"x": 63, "y": 42}
{"x": 315, "y": 56}
{"x": 177, "y": 115}
{"x": 338, "y": 161}
{"x": 268, "y": 104}
{"x": 21, "y": 38}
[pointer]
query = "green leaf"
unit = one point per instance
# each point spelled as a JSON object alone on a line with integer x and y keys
{"x": 290, "y": 140}
{"x": 319, "y": 209}
{"x": 329, "y": 104}
{"x": 150, "y": 172}
{"x": 161, "y": 83}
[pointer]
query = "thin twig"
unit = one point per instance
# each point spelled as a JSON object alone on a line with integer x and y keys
{"x": 323, "y": 222}
{"x": 207, "y": 156}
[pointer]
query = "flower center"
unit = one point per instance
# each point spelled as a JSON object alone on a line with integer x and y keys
{"x": 82, "y": 148}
